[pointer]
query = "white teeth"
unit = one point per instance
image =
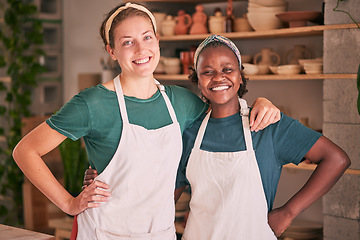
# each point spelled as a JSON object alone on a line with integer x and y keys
{"x": 220, "y": 88}
{"x": 144, "y": 60}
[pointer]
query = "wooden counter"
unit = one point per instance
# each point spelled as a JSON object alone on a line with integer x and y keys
{"x": 7, "y": 232}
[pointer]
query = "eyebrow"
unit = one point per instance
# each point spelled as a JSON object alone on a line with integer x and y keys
{"x": 144, "y": 33}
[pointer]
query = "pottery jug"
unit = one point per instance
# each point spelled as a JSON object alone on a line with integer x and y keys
{"x": 242, "y": 24}
{"x": 266, "y": 57}
{"x": 217, "y": 23}
{"x": 168, "y": 26}
{"x": 183, "y": 23}
{"x": 199, "y": 20}
{"x": 296, "y": 53}
{"x": 159, "y": 17}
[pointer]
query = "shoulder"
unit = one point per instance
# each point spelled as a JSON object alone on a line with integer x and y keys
{"x": 191, "y": 132}
{"x": 95, "y": 92}
{"x": 178, "y": 91}
{"x": 184, "y": 98}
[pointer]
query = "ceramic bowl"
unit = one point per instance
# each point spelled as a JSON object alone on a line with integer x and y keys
{"x": 274, "y": 69}
{"x": 302, "y": 61}
{"x": 298, "y": 18}
{"x": 171, "y": 65}
{"x": 269, "y": 3}
{"x": 276, "y": 9}
{"x": 250, "y": 69}
{"x": 263, "y": 21}
{"x": 290, "y": 69}
{"x": 313, "y": 67}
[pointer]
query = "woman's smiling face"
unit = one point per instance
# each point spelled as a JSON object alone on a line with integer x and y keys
{"x": 219, "y": 76}
{"x": 136, "y": 46}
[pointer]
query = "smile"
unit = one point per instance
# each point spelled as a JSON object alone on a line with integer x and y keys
{"x": 219, "y": 88}
{"x": 142, "y": 60}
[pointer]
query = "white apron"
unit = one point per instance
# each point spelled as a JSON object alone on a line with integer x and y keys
{"x": 141, "y": 176}
{"x": 227, "y": 200}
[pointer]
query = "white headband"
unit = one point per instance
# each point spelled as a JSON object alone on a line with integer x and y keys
{"x": 127, "y": 5}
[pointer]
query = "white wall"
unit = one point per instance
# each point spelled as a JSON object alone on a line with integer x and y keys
{"x": 83, "y": 46}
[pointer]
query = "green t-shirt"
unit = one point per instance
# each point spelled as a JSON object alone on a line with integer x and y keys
{"x": 94, "y": 114}
{"x": 286, "y": 141}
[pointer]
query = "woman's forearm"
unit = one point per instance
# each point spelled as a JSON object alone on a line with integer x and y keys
{"x": 27, "y": 154}
{"x": 332, "y": 163}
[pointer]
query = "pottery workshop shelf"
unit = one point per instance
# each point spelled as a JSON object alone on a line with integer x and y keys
{"x": 275, "y": 33}
{"x": 310, "y": 166}
{"x": 176, "y": 1}
{"x": 269, "y": 77}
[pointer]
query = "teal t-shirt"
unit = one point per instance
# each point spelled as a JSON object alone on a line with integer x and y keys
{"x": 286, "y": 141}
{"x": 94, "y": 114}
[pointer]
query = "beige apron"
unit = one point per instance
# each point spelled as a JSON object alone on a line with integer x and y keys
{"x": 228, "y": 200}
{"x": 141, "y": 176}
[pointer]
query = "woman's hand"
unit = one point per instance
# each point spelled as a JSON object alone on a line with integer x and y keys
{"x": 263, "y": 114}
{"x": 279, "y": 220}
{"x": 91, "y": 197}
{"x": 89, "y": 176}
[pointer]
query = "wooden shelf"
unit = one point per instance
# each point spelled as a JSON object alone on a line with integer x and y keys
{"x": 269, "y": 77}
{"x": 307, "y": 166}
{"x": 275, "y": 33}
{"x": 5, "y": 79}
{"x": 177, "y": 1}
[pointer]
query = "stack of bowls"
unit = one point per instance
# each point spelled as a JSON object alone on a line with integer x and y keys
{"x": 312, "y": 66}
{"x": 262, "y": 14}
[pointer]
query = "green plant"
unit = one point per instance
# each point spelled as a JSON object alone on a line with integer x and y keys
{"x": 338, "y": 10}
{"x": 75, "y": 163}
{"x": 20, "y": 38}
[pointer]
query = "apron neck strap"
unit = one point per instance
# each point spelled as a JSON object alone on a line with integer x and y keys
{"x": 167, "y": 101}
{"x": 201, "y": 131}
{"x": 244, "y": 112}
{"x": 121, "y": 100}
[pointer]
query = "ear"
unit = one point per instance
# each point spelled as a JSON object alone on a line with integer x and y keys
{"x": 111, "y": 52}
{"x": 157, "y": 37}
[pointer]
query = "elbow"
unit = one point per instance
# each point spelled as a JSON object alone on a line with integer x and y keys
{"x": 16, "y": 152}
{"x": 343, "y": 160}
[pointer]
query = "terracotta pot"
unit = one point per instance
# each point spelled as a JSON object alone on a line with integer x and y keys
{"x": 183, "y": 23}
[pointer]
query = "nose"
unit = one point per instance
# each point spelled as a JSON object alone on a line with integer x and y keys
{"x": 218, "y": 76}
{"x": 139, "y": 47}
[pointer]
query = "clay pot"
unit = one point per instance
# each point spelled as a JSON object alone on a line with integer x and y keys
{"x": 266, "y": 57}
{"x": 296, "y": 53}
{"x": 168, "y": 26}
{"x": 159, "y": 17}
{"x": 185, "y": 61}
{"x": 242, "y": 24}
{"x": 199, "y": 20}
{"x": 217, "y": 23}
{"x": 183, "y": 23}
